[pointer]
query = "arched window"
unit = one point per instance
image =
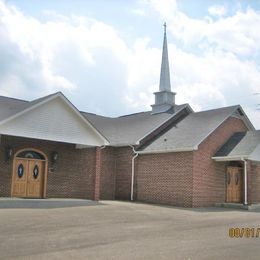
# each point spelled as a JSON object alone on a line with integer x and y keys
{"x": 30, "y": 155}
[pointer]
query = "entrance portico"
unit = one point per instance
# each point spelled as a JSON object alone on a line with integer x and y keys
{"x": 240, "y": 152}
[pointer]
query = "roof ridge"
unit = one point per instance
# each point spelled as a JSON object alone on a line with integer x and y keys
{"x": 220, "y": 108}
{"x": 46, "y": 96}
{"x": 19, "y": 99}
{"x": 133, "y": 114}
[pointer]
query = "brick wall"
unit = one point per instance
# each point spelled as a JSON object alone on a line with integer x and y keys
{"x": 186, "y": 178}
{"x": 108, "y": 176}
{"x": 123, "y": 158}
{"x": 72, "y": 176}
{"x": 165, "y": 178}
{"x": 209, "y": 185}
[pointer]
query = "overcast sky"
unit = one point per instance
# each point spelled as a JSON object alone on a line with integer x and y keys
{"x": 105, "y": 55}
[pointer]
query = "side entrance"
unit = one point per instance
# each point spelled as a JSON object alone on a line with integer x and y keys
{"x": 234, "y": 184}
{"x": 29, "y": 174}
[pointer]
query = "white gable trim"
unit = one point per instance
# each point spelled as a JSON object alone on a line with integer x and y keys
{"x": 175, "y": 114}
{"x": 244, "y": 118}
{"x": 68, "y": 103}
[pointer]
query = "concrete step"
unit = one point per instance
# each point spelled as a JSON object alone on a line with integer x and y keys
{"x": 238, "y": 206}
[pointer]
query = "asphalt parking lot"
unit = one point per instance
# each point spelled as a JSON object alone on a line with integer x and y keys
{"x": 78, "y": 229}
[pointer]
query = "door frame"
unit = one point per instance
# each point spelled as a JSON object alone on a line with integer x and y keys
{"x": 226, "y": 181}
{"x": 45, "y": 160}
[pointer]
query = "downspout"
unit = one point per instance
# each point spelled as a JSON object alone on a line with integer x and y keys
{"x": 133, "y": 172}
{"x": 245, "y": 181}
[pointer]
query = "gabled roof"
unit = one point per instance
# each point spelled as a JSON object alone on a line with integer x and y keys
{"x": 191, "y": 131}
{"x": 185, "y": 134}
{"x": 10, "y": 107}
{"x": 129, "y": 129}
{"x": 240, "y": 146}
{"x": 13, "y": 108}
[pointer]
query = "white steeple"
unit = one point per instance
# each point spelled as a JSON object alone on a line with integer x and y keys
{"x": 165, "y": 98}
{"x": 165, "y": 81}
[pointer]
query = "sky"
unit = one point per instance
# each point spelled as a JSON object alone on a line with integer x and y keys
{"x": 105, "y": 56}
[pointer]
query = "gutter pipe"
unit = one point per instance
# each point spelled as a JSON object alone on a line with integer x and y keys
{"x": 133, "y": 172}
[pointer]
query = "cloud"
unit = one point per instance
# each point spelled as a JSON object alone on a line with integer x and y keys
{"x": 217, "y": 10}
{"x": 81, "y": 56}
{"x": 166, "y": 8}
{"x": 213, "y": 62}
{"x": 138, "y": 12}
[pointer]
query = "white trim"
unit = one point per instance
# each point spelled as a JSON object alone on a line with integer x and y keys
{"x": 28, "y": 109}
{"x": 186, "y": 106}
{"x": 84, "y": 119}
{"x": 244, "y": 119}
{"x": 229, "y": 158}
{"x": 133, "y": 172}
{"x": 204, "y": 138}
{"x": 122, "y": 144}
{"x": 72, "y": 107}
{"x": 170, "y": 151}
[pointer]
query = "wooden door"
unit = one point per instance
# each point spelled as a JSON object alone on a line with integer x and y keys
{"x": 234, "y": 184}
{"x": 35, "y": 178}
{"x": 28, "y": 177}
{"x": 19, "y": 178}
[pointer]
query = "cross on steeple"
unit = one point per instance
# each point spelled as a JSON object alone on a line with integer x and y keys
{"x": 164, "y": 25}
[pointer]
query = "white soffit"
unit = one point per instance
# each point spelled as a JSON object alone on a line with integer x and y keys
{"x": 54, "y": 119}
{"x": 255, "y": 155}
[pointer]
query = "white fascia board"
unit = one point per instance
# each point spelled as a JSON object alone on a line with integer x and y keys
{"x": 238, "y": 107}
{"x": 229, "y": 158}
{"x": 246, "y": 119}
{"x": 73, "y": 108}
{"x": 106, "y": 142}
{"x": 190, "y": 149}
{"x": 255, "y": 155}
{"x": 122, "y": 144}
{"x": 186, "y": 106}
{"x": 28, "y": 109}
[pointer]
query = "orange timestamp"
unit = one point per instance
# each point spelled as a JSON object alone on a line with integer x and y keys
{"x": 246, "y": 232}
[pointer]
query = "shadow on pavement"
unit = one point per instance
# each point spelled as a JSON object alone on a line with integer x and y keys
{"x": 45, "y": 203}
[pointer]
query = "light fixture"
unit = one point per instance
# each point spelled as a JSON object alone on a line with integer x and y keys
{"x": 54, "y": 157}
{"x": 8, "y": 153}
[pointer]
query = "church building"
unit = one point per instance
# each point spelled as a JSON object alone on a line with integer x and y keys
{"x": 169, "y": 155}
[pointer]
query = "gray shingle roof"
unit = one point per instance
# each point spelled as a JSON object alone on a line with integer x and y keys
{"x": 191, "y": 131}
{"x": 244, "y": 147}
{"x": 129, "y": 129}
{"x": 232, "y": 142}
{"x": 123, "y": 130}
{"x": 11, "y": 106}
{"x": 126, "y": 130}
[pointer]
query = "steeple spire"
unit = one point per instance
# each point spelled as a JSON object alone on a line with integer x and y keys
{"x": 165, "y": 98}
{"x": 165, "y": 81}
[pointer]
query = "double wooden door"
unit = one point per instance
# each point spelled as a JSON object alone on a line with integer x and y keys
{"x": 28, "y": 177}
{"x": 234, "y": 184}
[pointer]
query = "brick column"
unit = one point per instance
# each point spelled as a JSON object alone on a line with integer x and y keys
{"x": 97, "y": 174}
